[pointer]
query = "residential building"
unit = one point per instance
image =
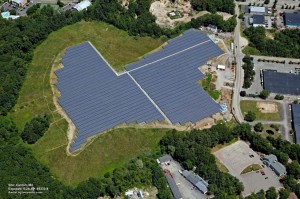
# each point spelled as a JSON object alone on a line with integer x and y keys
{"x": 272, "y": 162}
{"x": 292, "y": 20}
{"x": 164, "y": 159}
{"x": 18, "y": 3}
{"x": 83, "y": 5}
{"x": 296, "y": 121}
{"x": 212, "y": 28}
{"x": 258, "y": 10}
{"x": 196, "y": 180}
{"x": 258, "y": 20}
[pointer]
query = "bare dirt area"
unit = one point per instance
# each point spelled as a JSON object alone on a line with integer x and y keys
{"x": 267, "y": 107}
{"x": 56, "y": 94}
{"x": 162, "y": 8}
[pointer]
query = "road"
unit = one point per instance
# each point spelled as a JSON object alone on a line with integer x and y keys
{"x": 239, "y": 72}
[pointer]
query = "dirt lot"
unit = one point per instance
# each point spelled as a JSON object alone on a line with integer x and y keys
{"x": 267, "y": 107}
{"x": 161, "y": 8}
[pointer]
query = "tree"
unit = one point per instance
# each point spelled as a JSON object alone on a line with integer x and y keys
{"x": 60, "y": 4}
{"x": 264, "y": 94}
{"x": 243, "y": 93}
{"x": 258, "y": 127}
{"x": 271, "y": 193}
{"x": 279, "y": 97}
{"x": 267, "y": 2}
{"x": 13, "y": 12}
{"x": 250, "y": 116}
{"x": 284, "y": 194}
{"x": 294, "y": 169}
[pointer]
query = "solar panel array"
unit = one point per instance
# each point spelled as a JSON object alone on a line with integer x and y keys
{"x": 284, "y": 83}
{"x": 95, "y": 98}
{"x": 296, "y": 121}
{"x": 162, "y": 84}
{"x": 172, "y": 82}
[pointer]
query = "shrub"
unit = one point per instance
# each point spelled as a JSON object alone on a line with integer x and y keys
{"x": 250, "y": 116}
{"x": 258, "y": 127}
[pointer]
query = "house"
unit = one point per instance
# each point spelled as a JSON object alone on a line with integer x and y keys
{"x": 272, "y": 162}
{"x": 83, "y": 5}
{"x": 196, "y": 180}
{"x": 18, "y": 3}
{"x": 258, "y": 20}
{"x": 296, "y": 121}
{"x": 258, "y": 10}
{"x": 212, "y": 28}
{"x": 164, "y": 159}
{"x": 172, "y": 184}
{"x": 292, "y": 20}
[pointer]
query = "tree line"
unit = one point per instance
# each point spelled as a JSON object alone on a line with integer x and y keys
{"x": 214, "y": 6}
{"x": 286, "y": 43}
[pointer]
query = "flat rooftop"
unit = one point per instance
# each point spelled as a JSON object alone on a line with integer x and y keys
{"x": 283, "y": 83}
{"x": 161, "y": 87}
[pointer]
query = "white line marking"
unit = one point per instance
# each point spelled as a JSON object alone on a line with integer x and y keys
{"x": 168, "y": 56}
{"x": 151, "y": 100}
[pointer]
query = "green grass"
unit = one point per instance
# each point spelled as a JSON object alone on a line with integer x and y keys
{"x": 253, "y": 167}
{"x": 268, "y": 127}
{"x": 207, "y": 86}
{"x": 250, "y": 51}
{"x": 108, "y": 150}
{"x": 54, "y": 6}
{"x": 247, "y": 105}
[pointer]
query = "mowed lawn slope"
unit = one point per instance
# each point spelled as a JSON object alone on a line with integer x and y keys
{"x": 110, "y": 149}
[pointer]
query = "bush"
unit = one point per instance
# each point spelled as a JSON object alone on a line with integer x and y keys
{"x": 13, "y": 12}
{"x": 275, "y": 126}
{"x": 258, "y": 127}
{"x": 279, "y": 97}
{"x": 264, "y": 94}
{"x": 243, "y": 93}
{"x": 250, "y": 116}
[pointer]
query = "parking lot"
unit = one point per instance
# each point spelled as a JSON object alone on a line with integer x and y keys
{"x": 184, "y": 186}
{"x": 236, "y": 157}
{"x": 256, "y": 86}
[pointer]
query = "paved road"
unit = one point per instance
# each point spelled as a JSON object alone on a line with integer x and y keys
{"x": 239, "y": 72}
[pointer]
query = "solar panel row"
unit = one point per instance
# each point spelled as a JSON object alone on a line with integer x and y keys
{"x": 96, "y": 99}
{"x": 172, "y": 84}
{"x": 284, "y": 83}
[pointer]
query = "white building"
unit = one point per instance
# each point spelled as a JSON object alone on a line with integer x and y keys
{"x": 18, "y": 3}
{"x": 83, "y": 5}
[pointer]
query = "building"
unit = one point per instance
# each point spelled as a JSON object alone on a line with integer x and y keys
{"x": 212, "y": 28}
{"x": 164, "y": 159}
{"x": 258, "y": 20}
{"x": 18, "y": 3}
{"x": 172, "y": 184}
{"x": 83, "y": 5}
{"x": 258, "y": 10}
{"x": 272, "y": 162}
{"x": 283, "y": 83}
{"x": 292, "y": 20}
{"x": 296, "y": 121}
{"x": 196, "y": 180}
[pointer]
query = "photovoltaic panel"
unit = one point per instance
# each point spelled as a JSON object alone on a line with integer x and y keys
{"x": 284, "y": 83}
{"x": 296, "y": 121}
{"x": 163, "y": 85}
{"x": 95, "y": 98}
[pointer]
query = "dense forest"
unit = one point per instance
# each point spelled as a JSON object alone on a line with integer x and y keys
{"x": 286, "y": 43}
{"x": 249, "y": 73}
{"x": 214, "y": 6}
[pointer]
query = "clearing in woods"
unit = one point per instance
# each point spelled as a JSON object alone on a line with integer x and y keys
{"x": 107, "y": 151}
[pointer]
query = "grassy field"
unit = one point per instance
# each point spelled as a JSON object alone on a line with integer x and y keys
{"x": 108, "y": 150}
{"x": 247, "y": 105}
{"x": 250, "y": 51}
{"x": 253, "y": 167}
